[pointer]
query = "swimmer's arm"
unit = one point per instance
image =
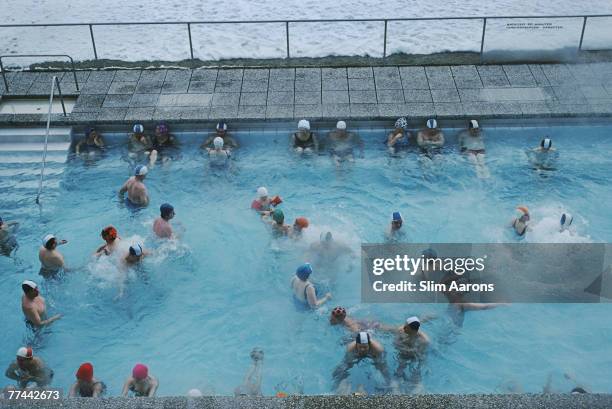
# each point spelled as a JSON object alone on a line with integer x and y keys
{"x": 207, "y": 142}
{"x": 232, "y": 142}
{"x": 77, "y": 148}
{"x": 312, "y": 297}
{"x": 34, "y": 317}
{"x": 100, "y": 251}
{"x": 124, "y": 188}
{"x": 73, "y": 391}
{"x": 341, "y": 371}
{"x": 11, "y": 371}
{"x": 420, "y": 139}
{"x": 97, "y": 390}
{"x": 126, "y": 387}
{"x": 427, "y": 318}
{"x": 154, "y": 386}
{"x": 477, "y": 306}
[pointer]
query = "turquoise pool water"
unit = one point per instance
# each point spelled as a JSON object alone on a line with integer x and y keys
{"x": 198, "y": 306}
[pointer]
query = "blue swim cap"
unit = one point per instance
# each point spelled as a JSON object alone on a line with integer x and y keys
{"x": 397, "y": 216}
{"x": 304, "y": 271}
{"x": 141, "y": 170}
{"x": 88, "y": 131}
{"x": 166, "y": 209}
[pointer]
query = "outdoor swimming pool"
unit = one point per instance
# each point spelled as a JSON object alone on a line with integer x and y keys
{"x": 198, "y": 306}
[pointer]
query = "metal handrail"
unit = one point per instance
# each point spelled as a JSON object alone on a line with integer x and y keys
{"x": 286, "y": 22}
{"x": 2, "y": 70}
{"x": 54, "y": 82}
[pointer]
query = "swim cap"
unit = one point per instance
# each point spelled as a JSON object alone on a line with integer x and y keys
{"x": 88, "y": 131}
{"x": 578, "y": 390}
{"x": 326, "y": 236}
{"x": 363, "y": 338}
{"x": 397, "y": 217}
{"x": 166, "y": 209}
{"x": 341, "y": 125}
{"x": 25, "y": 352}
{"x": 140, "y": 371}
{"x": 566, "y": 220}
{"x": 278, "y": 216}
{"x": 28, "y": 283}
{"x": 218, "y": 142}
{"x": 474, "y": 124}
{"x": 523, "y": 209}
{"x": 85, "y": 372}
{"x": 47, "y": 239}
{"x": 432, "y": 123}
{"x": 414, "y": 323}
{"x": 138, "y": 128}
{"x": 109, "y": 233}
{"x": 276, "y": 200}
{"x": 304, "y": 271}
{"x": 546, "y": 143}
{"x": 141, "y": 170}
{"x": 262, "y": 191}
{"x": 302, "y": 222}
{"x": 303, "y": 124}
{"x": 401, "y": 123}
{"x": 162, "y": 127}
{"x": 194, "y": 393}
{"x": 136, "y": 250}
{"x": 221, "y": 126}
{"x": 339, "y": 312}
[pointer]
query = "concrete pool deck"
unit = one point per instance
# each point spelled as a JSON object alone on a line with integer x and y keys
{"x": 561, "y": 401}
{"x": 234, "y": 94}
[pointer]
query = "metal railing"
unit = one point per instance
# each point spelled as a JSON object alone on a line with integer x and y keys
{"x": 3, "y": 71}
{"x": 54, "y": 82}
{"x": 188, "y": 25}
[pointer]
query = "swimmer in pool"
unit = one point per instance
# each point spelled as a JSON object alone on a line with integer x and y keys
{"x": 220, "y": 131}
{"x": 7, "y": 236}
{"x": 472, "y": 145}
{"x": 338, "y": 316}
{"x": 341, "y": 143}
{"x": 34, "y": 307}
{"x": 162, "y": 226}
{"x": 51, "y": 260}
{"x": 92, "y": 142}
{"x": 135, "y": 187}
{"x": 141, "y": 384}
{"x": 399, "y": 137}
{"x": 304, "y": 291}
{"x": 27, "y": 369}
{"x": 264, "y": 204}
{"x": 363, "y": 347}
{"x": 543, "y": 157}
{"x": 304, "y": 141}
{"x": 162, "y": 137}
{"x": 298, "y": 227}
{"x": 251, "y": 385}
{"x": 136, "y": 253}
{"x": 217, "y": 151}
{"x": 86, "y": 386}
{"x": 276, "y": 219}
{"x": 430, "y": 138}
{"x": 139, "y": 142}
{"x": 110, "y": 236}
{"x": 520, "y": 224}
{"x": 411, "y": 344}
{"x": 327, "y": 250}
{"x": 565, "y": 221}
{"x": 395, "y": 229}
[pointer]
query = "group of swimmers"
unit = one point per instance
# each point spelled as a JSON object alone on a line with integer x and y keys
{"x": 410, "y": 341}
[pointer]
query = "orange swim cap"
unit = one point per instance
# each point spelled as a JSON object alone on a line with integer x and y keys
{"x": 281, "y": 395}
{"x": 523, "y": 209}
{"x": 302, "y": 222}
{"x": 109, "y": 233}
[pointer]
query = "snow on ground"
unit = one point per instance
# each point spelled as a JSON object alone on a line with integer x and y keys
{"x": 170, "y": 42}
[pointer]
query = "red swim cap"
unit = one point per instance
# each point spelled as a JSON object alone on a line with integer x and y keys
{"x": 276, "y": 201}
{"x": 302, "y": 222}
{"x": 109, "y": 233}
{"x": 140, "y": 371}
{"x": 85, "y": 372}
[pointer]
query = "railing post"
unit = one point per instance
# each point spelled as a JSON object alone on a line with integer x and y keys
{"x": 385, "y": 41}
{"x": 190, "y": 43}
{"x": 44, "y": 158}
{"x": 484, "y": 29}
{"x": 582, "y": 33}
{"x": 76, "y": 81}
{"x": 93, "y": 42}
{"x": 59, "y": 91}
{"x": 287, "y": 35}
{"x": 4, "y": 76}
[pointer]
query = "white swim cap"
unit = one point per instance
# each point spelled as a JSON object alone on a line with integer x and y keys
{"x": 141, "y": 170}
{"x": 303, "y": 124}
{"x": 546, "y": 143}
{"x": 30, "y": 284}
{"x": 221, "y": 126}
{"x": 412, "y": 319}
{"x": 136, "y": 250}
{"x": 194, "y": 393}
{"x": 218, "y": 142}
{"x": 138, "y": 128}
{"x": 474, "y": 124}
{"x": 432, "y": 123}
{"x": 401, "y": 123}
{"x": 25, "y": 352}
{"x": 363, "y": 338}
{"x": 341, "y": 125}
{"x": 262, "y": 191}
{"x": 566, "y": 221}
{"x": 47, "y": 238}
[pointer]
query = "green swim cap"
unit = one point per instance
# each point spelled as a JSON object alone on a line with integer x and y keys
{"x": 278, "y": 216}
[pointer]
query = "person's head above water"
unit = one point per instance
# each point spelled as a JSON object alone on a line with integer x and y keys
{"x": 362, "y": 342}
{"x": 23, "y": 355}
{"x": 221, "y": 128}
{"x": 326, "y": 238}
{"x": 432, "y": 124}
{"x": 304, "y": 271}
{"x": 401, "y": 123}
{"x": 85, "y": 372}
{"x": 523, "y": 213}
{"x": 303, "y": 130}
{"x": 138, "y": 129}
{"x": 337, "y": 315}
{"x": 341, "y": 126}
{"x": 166, "y": 211}
{"x": 412, "y": 325}
{"x": 49, "y": 242}
{"x": 135, "y": 250}
{"x": 218, "y": 142}
{"x": 301, "y": 223}
{"x": 474, "y": 127}
{"x": 278, "y": 216}
{"x": 161, "y": 129}
{"x": 30, "y": 289}
{"x": 262, "y": 193}
{"x": 141, "y": 171}
{"x": 566, "y": 221}
{"x": 397, "y": 220}
{"x": 546, "y": 144}
{"x": 140, "y": 372}
{"x": 109, "y": 234}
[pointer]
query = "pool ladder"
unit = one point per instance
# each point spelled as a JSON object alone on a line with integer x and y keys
{"x": 54, "y": 83}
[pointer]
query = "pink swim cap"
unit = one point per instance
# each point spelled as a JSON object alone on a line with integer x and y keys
{"x": 140, "y": 371}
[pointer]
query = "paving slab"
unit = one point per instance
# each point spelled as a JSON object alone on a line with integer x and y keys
{"x": 336, "y": 110}
{"x": 361, "y": 84}
{"x": 279, "y": 111}
{"x": 253, "y": 98}
{"x": 127, "y": 75}
{"x": 122, "y": 87}
{"x": 363, "y": 97}
{"x": 439, "y": 77}
{"x": 201, "y": 87}
{"x": 391, "y": 96}
{"x": 414, "y": 78}
{"x": 252, "y": 111}
{"x": 335, "y": 97}
{"x": 308, "y": 97}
